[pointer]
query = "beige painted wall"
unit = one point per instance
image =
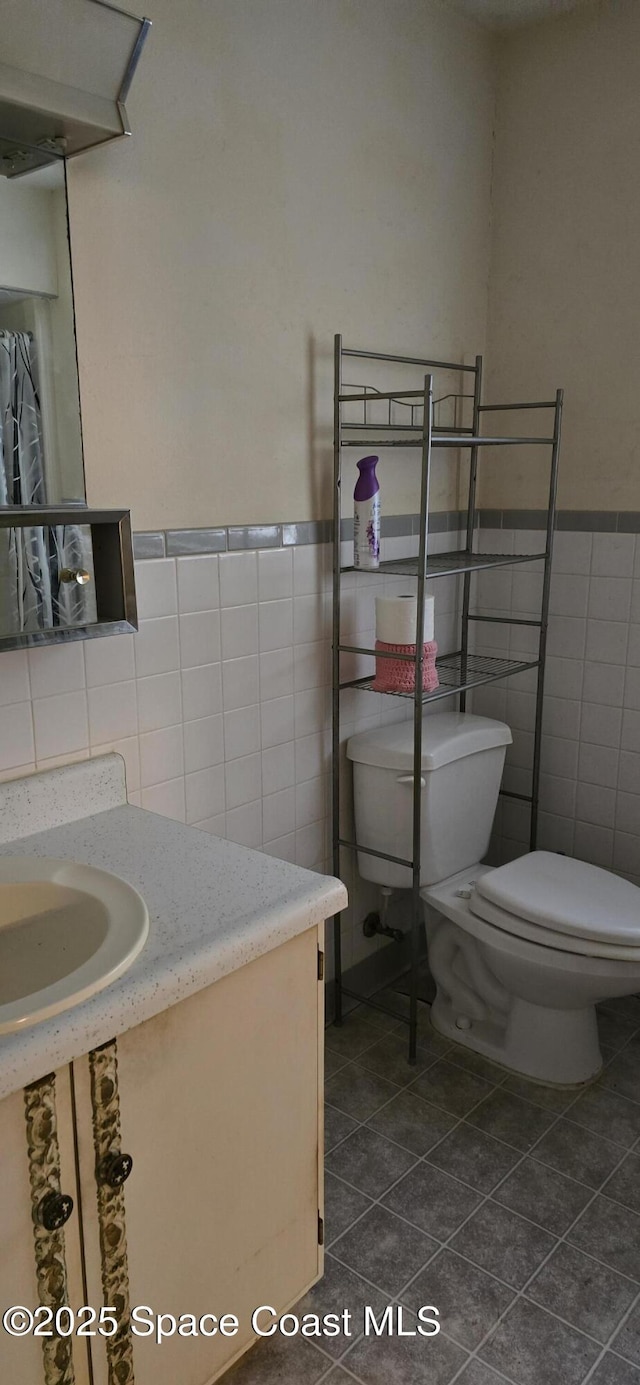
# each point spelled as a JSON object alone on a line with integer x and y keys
{"x": 27, "y": 246}
{"x": 298, "y": 167}
{"x": 565, "y": 277}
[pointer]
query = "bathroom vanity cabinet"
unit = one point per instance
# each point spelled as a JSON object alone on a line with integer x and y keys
{"x": 217, "y": 1209}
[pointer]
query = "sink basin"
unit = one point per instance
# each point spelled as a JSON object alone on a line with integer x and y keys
{"x": 66, "y": 932}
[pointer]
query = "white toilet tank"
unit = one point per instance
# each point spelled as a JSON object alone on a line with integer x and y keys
{"x": 462, "y": 763}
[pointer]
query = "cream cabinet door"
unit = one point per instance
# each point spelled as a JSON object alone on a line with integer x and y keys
{"x": 219, "y": 1101}
{"x": 40, "y": 1262}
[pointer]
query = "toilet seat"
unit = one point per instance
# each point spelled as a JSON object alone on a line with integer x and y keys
{"x": 561, "y": 903}
{"x": 520, "y": 929}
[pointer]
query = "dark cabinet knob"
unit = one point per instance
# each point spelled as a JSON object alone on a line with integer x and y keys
{"x": 116, "y": 1169}
{"x": 54, "y": 1210}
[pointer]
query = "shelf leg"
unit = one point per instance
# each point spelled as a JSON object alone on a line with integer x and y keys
{"x": 416, "y": 912}
{"x": 335, "y": 759}
{"x": 542, "y": 648}
{"x": 471, "y": 524}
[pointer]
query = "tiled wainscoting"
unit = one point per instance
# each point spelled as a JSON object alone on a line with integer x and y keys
{"x": 219, "y": 704}
{"x": 590, "y": 780}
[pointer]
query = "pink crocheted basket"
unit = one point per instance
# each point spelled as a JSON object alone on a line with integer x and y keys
{"x": 399, "y": 675}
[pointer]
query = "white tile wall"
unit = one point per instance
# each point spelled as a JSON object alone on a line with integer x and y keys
{"x": 238, "y": 579}
{"x": 198, "y": 584}
{"x": 220, "y": 705}
{"x": 239, "y": 631}
{"x": 202, "y": 703}
{"x": 590, "y": 784}
{"x": 16, "y": 735}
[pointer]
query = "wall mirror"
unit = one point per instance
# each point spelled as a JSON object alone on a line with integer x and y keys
{"x": 46, "y": 571}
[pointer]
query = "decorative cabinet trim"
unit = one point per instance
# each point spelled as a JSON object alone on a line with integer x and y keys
{"x": 44, "y": 1178}
{"x": 105, "y": 1103}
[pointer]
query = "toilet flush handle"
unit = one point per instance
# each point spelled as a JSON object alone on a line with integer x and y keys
{"x": 408, "y": 779}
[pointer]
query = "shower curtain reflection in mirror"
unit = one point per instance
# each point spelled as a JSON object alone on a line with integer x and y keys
{"x": 32, "y": 597}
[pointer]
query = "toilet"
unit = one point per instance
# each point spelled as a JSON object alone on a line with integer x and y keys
{"x": 520, "y": 954}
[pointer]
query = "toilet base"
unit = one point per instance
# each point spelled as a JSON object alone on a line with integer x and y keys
{"x": 555, "y": 1047}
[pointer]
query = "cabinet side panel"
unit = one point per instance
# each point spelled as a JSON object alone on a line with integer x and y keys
{"x": 219, "y": 1110}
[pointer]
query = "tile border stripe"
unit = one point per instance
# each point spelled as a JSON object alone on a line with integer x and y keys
{"x": 235, "y": 538}
{"x": 582, "y": 521}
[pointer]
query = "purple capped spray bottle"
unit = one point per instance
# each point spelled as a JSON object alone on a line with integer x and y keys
{"x": 366, "y": 516}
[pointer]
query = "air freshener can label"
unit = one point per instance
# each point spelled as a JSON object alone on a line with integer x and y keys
{"x": 366, "y": 532}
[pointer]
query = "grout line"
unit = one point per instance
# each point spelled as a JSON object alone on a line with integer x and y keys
{"x": 459, "y": 1120}
{"x": 617, "y": 1329}
{"x": 561, "y": 1239}
{"x": 342, "y": 1365}
{"x": 521, "y": 1293}
{"x": 609, "y": 1140}
{"x": 378, "y": 1202}
{"x": 558, "y": 1240}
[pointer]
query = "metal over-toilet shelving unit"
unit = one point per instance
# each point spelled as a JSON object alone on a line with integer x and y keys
{"x": 408, "y": 422}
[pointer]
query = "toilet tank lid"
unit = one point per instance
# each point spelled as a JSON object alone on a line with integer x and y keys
{"x": 565, "y": 895}
{"x": 445, "y": 737}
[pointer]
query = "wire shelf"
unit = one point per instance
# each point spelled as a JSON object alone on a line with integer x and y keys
{"x": 450, "y": 564}
{"x": 462, "y": 438}
{"x": 480, "y": 668}
{"x": 403, "y": 409}
{"x": 448, "y": 438}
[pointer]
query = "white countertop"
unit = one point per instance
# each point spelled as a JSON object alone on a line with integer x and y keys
{"x": 213, "y": 906}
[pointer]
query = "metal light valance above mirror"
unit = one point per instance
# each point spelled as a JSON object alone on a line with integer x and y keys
{"x": 66, "y": 67}
{"x": 56, "y": 98}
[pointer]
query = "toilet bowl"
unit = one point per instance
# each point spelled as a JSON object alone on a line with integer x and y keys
{"x": 520, "y": 954}
{"x": 523, "y": 993}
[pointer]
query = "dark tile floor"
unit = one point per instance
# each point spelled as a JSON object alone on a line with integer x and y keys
{"x": 513, "y": 1208}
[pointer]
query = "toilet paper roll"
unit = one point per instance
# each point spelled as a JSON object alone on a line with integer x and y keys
{"x": 396, "y": 618}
